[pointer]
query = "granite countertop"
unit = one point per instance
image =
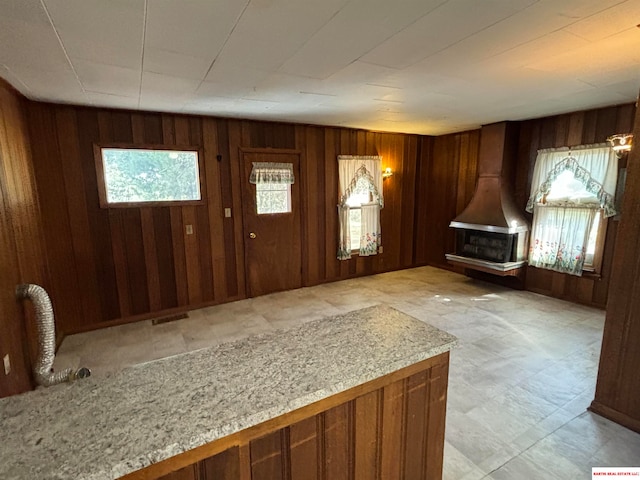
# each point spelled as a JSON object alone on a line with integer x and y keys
{"x": 104, "y": 427}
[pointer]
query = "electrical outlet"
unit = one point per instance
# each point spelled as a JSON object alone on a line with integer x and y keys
{"x": 7, "y": 364}
{"x": 227, "y": 213}
{"x": 189, "y": 229}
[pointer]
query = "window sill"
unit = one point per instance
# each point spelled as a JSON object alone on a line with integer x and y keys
{"x": 589, "y": 273}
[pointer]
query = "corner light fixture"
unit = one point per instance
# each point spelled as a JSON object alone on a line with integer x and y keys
{"x": 387, "y": 173}
{"x": 621, "y": 143}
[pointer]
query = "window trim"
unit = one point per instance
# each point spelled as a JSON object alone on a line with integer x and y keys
{"x": 102, "y": 191}
{"x": 595, "y": 267}
{"x": 289, "y": 201}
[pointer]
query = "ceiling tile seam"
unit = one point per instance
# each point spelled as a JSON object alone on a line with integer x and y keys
{"x": 224, "y": 44}
{"x": 563, "y": 28}
{"x": 628, "y": 29}
{"x": 400, "y": 31}
{"x": 64, "y": 51}
{"x": 17, "y": 78}
{"x": 371, "y": 49}
{"x": 144, "y": 37}
{"x": 337, "y": 12}
{"x": 471, "y": 35}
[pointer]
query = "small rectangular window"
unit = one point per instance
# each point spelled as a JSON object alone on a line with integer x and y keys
{"x": 273, "y": 198}
{"x": 273, "y": 186}
{"x": 130, "y": 176}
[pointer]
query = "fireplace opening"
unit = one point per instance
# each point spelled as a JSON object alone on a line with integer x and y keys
{"x": 494, "y": 247}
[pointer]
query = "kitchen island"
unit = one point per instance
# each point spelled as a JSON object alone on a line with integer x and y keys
{"x": 360, "y": 395}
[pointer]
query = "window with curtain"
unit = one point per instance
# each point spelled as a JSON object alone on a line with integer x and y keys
{"x": 360, "y": 201}
{"x": 572, "y": 191}
{"x": 273, "y": 186}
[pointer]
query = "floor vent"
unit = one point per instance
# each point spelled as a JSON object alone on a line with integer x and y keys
{"x": 172, "y": 318}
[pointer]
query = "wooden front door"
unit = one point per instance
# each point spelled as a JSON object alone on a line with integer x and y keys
{"x": 273, "y": 251}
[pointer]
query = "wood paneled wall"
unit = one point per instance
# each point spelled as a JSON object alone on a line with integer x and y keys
{"x": 446, "y": 181}
{"x": 117, "y": 265}
{"x": 127, "y": 264}
{"x": 21, "y": 255}
{"x": 618, "y": 388}
{"x": 586, "y": 127}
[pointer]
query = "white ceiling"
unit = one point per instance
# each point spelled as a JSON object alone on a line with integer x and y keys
{"x": 415, "y": 66}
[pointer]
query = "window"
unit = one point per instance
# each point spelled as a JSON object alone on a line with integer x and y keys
{"x": 129, "y": 176}
{"x": 273, "y": 198}
{"x": 273, "y": 187}
{"x": 360, "y": 195}
{"x": 571, "y": 197}
{"x": 360, "y": 202}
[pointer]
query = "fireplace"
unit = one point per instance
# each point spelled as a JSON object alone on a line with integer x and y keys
{"x": 492, "y": 232}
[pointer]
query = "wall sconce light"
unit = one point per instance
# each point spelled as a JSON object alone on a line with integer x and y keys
{"x": 387, "y": 173}
{"x": 621, "y": 143}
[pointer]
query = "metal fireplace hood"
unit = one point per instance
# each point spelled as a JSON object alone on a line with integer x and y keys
{"x": 492, "y": 207}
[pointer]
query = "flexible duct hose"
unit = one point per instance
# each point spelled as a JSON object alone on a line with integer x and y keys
{"x": 43, "y": 368}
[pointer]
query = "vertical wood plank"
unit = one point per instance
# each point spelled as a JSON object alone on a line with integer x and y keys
{"x": 414, "y": 425}
{"x": 235, "y": 139}
{"x": 189, "y": 220}
{"x": 165, "y": 260}
{"x": 22, "y": 254}
{"x": 216, "y": 209}
{"x": 223, "y": 466}
{"x": 136, "y": 269}
{"x": 192, "y": 267}
{"x": 148, "y": 229}
{"x": 88, "y": 133}
{"x": 245, "y": 461}
{"x": 331, "y": 210}
{"x": 366, "y": 426}
{"x": 229, "y": 135}
{"x": 310, "y": 187}
{"x": 151, "y": 258}
{"x": 187, "y": 473}
{"x": 303, "y": 437}
{"x": 267, "y": 459}
{"x": 392, "y": 433}
{"x": 80, "y": 234}
{"x": 120, "y": 262}
{"x": 56, "y": 223}
{"x": 436, "y": 408}
{"x": 338, "y": 447}
{"x": 177, "y": 235}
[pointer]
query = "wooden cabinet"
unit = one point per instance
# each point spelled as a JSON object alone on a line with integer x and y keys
{"x": 390, "y": 428}
{"x": 618, "y": 388}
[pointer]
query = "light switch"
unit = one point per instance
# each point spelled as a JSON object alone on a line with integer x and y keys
{"x": 7, "y": 364}
{"x": 189, "y": 229}
{"x": 380, "y": 249}
{"x": 227, "y": 213}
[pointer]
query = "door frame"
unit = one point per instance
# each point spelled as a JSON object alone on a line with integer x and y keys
{"x": 245, "y": 246}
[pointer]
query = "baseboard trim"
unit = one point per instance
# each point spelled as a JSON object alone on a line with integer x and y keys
{"x": 615, "y": 416}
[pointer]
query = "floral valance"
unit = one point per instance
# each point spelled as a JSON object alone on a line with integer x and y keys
{"x": 270, "y": 172}
{"x": 352, "y": 168}
{"x": 595, "y": 166}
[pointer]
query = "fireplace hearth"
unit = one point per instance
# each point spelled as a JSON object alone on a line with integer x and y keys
{"x": 492, "y": 232}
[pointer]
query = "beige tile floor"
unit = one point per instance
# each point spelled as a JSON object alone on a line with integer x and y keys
{"x": 520, "y": 380}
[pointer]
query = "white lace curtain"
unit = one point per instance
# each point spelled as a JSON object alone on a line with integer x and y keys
{"x": 271, "y": 172}
{"x": 561, "y": 229}
{"x": 596, "y": 166}
{"x": 350, "y": 170}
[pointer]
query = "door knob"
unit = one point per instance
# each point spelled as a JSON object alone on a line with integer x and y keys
{"x": 252, "y": 235}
